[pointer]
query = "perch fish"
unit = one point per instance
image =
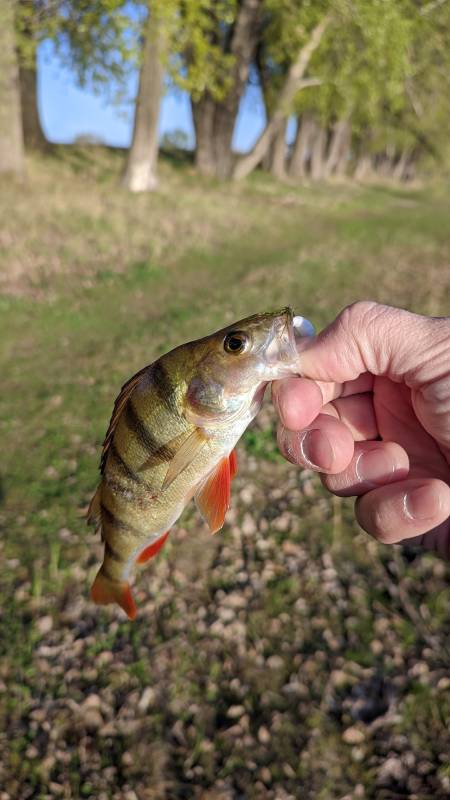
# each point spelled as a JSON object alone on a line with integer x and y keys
{"x": 172, "y": 436}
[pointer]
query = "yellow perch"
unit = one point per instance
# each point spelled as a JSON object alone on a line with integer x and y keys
{"x": 172, "y": 436}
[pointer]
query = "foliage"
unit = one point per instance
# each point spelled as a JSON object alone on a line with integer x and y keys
{"x": 98, "y": 40}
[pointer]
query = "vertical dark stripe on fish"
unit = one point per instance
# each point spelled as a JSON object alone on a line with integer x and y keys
{"x": 113, "y": 554}
{"x": 133, "y": 476}
{"x": 118, "y": 524}
{"x": 158, "y": 452}
{"x": 164, "y": 387}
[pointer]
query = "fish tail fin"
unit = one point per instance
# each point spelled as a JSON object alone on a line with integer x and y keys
{"x": 93, "y": 516}
{"x": 105, "y": 591}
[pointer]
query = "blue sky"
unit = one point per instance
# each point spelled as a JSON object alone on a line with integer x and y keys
{"x": 67, "y": 111}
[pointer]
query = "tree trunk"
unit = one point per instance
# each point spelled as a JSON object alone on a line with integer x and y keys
{"x": 401, "y": 168}
{"x": 318, "y": 153}
{"x": 363, "y": 167}
{"x": 11, "y": 134}
{"x": 203, "y": 113}
{"x": 34, "y": 137}
{"x": 298, "y": 166}
{"x": 140, "y": 171}
{"x": 278, "y": 153}
{"x": 290, "y": 88}
{"x": 214, "y": 121}
{"x": 338, "y": 148}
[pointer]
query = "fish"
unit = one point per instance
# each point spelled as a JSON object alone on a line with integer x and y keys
{"x": 172, "y": 437}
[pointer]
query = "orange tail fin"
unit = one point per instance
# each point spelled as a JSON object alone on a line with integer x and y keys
{"x": 105, "y": 591}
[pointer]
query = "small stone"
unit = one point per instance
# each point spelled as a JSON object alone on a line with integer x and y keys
{"x": 263, "y": 735}
{"x": 265, "y": 775}
{"x": 353, "y": 735}
{"x": 391, "y": 770}
{"x": 377, "y": 647}
{"x": 147, "y": 699}
{"x": 248, "y": 526}
{"x": 91, "y": 701}
{"x": 275, "y": 662}
{"x": 44, "y": 624}
{"x": 92, "y": 719}
{"x": 234, "y": 712}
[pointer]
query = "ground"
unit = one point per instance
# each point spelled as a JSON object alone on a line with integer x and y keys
{"x": 289, "y": 656}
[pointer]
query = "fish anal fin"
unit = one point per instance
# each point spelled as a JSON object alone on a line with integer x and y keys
{"x": 152, "y": 549}
{"x": 213, "y": 497}
{"x": 185, "y": 455}
{"x": 105, "y": 591}
{"x": 233, "y": 464}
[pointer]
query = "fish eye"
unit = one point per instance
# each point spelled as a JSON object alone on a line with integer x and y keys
{"x": 235, "y": 342}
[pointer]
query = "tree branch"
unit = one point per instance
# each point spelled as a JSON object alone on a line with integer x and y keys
{"x": 294, "y": 81}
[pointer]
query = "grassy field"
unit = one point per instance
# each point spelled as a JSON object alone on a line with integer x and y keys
{"x": 287, "y": 657}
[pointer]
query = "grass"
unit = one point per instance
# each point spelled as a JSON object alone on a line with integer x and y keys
{"x": 95, "y": 284}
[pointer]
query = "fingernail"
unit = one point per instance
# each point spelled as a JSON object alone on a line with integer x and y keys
{"x": 421, "y": 503}
{"x": 316, "y": 450}
{"x": 374, "y": 465}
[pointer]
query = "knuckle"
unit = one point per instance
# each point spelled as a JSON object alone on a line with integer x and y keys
{"x": 357, "y": 313}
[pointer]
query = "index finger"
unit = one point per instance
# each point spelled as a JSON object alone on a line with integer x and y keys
{"x": 299, "y": 400}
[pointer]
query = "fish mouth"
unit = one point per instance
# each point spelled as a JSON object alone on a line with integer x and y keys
{"x": 297, "y": 328}
{"x": 281, "y": 355}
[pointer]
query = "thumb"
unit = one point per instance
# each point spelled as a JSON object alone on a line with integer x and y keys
{"x": 382, "y": 340}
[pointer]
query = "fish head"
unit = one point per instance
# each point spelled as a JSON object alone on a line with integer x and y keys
{"x": 237, "y": 362}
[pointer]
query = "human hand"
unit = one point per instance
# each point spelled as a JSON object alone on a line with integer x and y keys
{"x": 372, "y": 415}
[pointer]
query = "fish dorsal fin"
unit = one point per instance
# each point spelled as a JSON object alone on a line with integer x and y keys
{"x": 119, "y": 405}
{"x": 213, "y": 496}
{"x": 185, "y": 455}
{"x": 94, "y": 513}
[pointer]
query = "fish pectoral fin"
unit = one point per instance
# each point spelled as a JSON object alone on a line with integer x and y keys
{"x": 105, "y": 591}
{"x": 185, "y": 455}
{"x": 213, "y": 496}
{"x": 152, "y": 549}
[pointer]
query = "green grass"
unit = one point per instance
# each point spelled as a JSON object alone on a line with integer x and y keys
{"x": 97, "y": 283}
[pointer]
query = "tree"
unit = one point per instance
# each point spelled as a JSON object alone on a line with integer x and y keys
{"x": 11, "y": 135}
{"x": 27, "y": 41}
{"x": 292, "y": 84}
{"x": 93, "y": 38}
{"x": 233, "y": 34}
{"x": 140, "y": 170}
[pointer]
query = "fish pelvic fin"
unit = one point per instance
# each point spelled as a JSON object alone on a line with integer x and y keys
{"x": 94, "y": 514}
{"x": 152, "y": 549}
{"x": 105, "y": 591}
{"x": 213, "y": 496}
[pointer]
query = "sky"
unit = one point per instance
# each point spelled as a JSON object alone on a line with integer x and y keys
{"x": 67, "y": 111}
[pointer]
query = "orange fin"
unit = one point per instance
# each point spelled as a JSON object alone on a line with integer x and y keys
{"x": 152, "y": 549}
{"x": 213, "y": 497}
{"x": 233, "y": 464}
{"x": 105, "y": 591}
{"x": 185, "y": 455}
{"x": 94, "y": 511}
